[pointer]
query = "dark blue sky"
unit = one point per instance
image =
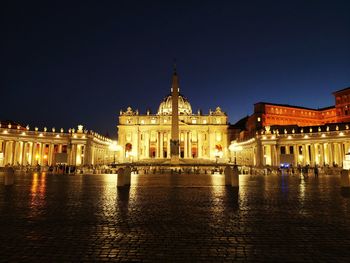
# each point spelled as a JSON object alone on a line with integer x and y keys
{"x": 69, "y": 63}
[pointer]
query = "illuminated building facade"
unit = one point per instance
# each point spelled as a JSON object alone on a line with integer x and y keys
{"x": 268, "y": 114}
{"x": 22, "y": 146}
{"x": 146, "y": 137}
{"x": 278, "y": 133}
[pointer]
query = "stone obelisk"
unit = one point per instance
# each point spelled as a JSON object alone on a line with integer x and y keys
{"x": 174, "y": 141}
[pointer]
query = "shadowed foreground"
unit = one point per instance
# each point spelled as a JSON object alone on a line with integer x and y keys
{"x": 174, "y": 218}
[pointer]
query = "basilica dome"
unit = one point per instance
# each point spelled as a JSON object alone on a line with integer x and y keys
{"x": 165, "y": 107}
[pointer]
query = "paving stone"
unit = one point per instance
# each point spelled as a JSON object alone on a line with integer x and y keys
{"x": 174, "y": 218}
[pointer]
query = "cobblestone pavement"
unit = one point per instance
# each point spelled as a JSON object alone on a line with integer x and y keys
{"x": 60, "y": 218}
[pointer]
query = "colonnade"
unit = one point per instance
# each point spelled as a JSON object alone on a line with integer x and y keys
{"x": 329, "y": 153}
{"x": 45, "y": 149}
{"x": 312, "y": 151}
{"x": 37, "y": 153}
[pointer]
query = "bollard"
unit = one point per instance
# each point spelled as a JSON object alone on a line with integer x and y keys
{"x": 120, "y": 178}
{"x": 9, "y": 176}
{"x": 235, "y": 177}
{"x": 228, "y": 174}
{"x": 127, "y": 176}
{"x": 345, "y": 180}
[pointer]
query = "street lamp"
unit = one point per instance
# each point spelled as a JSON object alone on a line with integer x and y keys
{"x": 218, "y": 154}
{"x": 114, "y": 147}
{"x": 234, "y": 147}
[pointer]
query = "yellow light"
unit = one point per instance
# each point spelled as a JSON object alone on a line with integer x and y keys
{"x": 45, "y": 156}
{"x": 289, "y": 137}
{"x": 4, "y": 132}
{"x": 323, "y": 135}
{"x": 306, "y": 136}
{"x": 41, "y": 135}
{"x": 57, "y": 136}
{"x": 74, "y": 136}
{"x": 37, "y": 156}
{"x": 23, "y": 133}
{"x": 341, "y": 134}
{"x": 115, "y": 147}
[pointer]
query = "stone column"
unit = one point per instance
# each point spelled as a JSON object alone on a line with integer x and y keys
{"x": 168, "y": 146}
{"x": 330, "y": 153}
{"x": 259, "y": 155}
{"x": 336, "y": 153}
{"x": 296, "y": 155}
{"x": 71, "y": 155}
{"x": 42, "y": 153}
{"x": 16, "y": 152}
{"x": 278, "y": 154}
{"x": 147, "y": 135}
{"x": 303, "y": 147}
{"x": 190, "y": 144}
{"x": 161, "y": 135}
{"x": 342, "y": 149}
{"x": 199, "y": 144}
{"x": 322, "y": 159}
{"x": 37, "y": 153}
{"x": 272, "y": 154}
{"x": 312, "y": 154}
{"x": 324, "y": 153}
{"x": 141, "y": 147}
{"x": 77, "y": 155}
{"x": 307, "y": 153}
{"x": 92, "y": 155}
{"x": 6, "y": 152}
{"x": 158, "y": 145}
{"x": 24, "y": 153}
{"x": 340, "y": 154}
{"x": 21, "y": 150}
{"x": 13, "y": 157}
{"x": 30, "y": 153}
{"x": 33, "y": 159}
{"x": 51, "y": 153}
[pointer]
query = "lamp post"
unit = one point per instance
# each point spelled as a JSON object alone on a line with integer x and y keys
{"x": 234, "y": 147}
{"x": 218, "y": 154}
{"x": 114, "y": 147}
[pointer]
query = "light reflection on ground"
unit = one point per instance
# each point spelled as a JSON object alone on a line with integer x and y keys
{"x": 180, "y": 217}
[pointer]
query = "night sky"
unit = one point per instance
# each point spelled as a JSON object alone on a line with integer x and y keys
{"x": 67, "y": 63}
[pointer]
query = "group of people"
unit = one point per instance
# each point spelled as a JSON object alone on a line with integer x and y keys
{"x": 303, "y": 170}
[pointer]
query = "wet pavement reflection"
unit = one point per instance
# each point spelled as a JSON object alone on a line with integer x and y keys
{"x": 175, "y": 218}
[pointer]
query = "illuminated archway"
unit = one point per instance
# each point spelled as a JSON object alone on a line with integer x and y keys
{"x": 194, "y": 151}
{"x": 218, "y": 147}
{"x": 128, "y": 149}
